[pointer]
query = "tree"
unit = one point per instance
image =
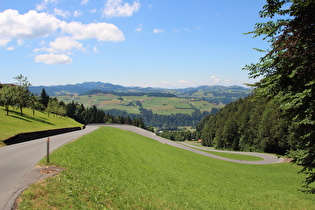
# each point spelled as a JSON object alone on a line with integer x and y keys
{"x": 44, "y": 98}
{"x": 288, "y": 71}
{"x": 8, "y": 97}
{"x": 23, "y": 94}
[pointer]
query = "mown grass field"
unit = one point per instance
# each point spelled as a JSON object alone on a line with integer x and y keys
{"x": 158, "y": 105}
{"x": 14, "y": 123}
{"x": 115, "y": 169}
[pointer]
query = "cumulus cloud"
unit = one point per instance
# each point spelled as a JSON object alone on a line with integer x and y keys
{"x": 28, "y": 26}
{"x": 53, "y": 59}
{"x": 116, "y": 8}
{"x": 34, "y": 25}
{"x": 64, "y": 44}
{"x": 99, "y": 31}
{"x": 156, "y": 31}
{"x": 61, "y": 13}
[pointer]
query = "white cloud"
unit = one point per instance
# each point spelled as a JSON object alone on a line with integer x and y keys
{"x": 92, "y": 11}
{"x": 34, "y": 25}
{"x": 10, "y": 48}
{"x": 28, "y": 26}
{"x": 84, "y": 2}
{"x": 64, "y": 44}
{"x": 20, "y": 42}
{"x": 53, "y": 59}
{"x": 215, "y": 79}
{"x": 139, "y": 29}
{"x": 116, "y": 8}
{"x": 156, "y": 31}
{"x": 77, "y": 13}
{"x": 61, "y": 13}
{"x": 42, "y": 6}
{"x": 99, "y": 31}
{"x": 95, "y": 50}
{"x": 4, "y": 41}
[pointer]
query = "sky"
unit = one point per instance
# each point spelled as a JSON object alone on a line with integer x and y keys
{"x": 146, "y": 43}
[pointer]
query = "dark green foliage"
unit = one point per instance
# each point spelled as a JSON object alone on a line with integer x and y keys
{"x": 288, "y": 72}
{"x": 44, "y": 98}
{"x": 247, "y": 125}
{"x": 94, "y": 115}
{"x": 178, "y": 135}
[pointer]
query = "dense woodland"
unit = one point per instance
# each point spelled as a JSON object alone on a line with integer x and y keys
{"x": 164, "y": 122}
{"x": 248, "y": 124}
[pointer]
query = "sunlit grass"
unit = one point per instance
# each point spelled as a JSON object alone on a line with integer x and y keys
{"x": 14, "y": 123}
{"x": 116, "y": 169}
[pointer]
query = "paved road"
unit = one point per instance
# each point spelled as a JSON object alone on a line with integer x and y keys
{"x": 17, "y": 163}
{"x": 268, "y": 159}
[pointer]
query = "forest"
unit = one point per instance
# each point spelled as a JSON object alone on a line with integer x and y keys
{"x": 248, "y": 124}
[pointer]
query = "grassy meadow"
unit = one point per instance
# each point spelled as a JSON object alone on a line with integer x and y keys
{"x": 158, "y": 105}
{"x": 115, "y": 169}
{"x": 14, "y": 123}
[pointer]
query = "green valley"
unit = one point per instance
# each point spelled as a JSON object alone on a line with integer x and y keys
{"x": 131, "y": 104}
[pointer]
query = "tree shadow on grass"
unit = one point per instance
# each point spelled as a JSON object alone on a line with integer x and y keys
{"x": 28, "y": 118}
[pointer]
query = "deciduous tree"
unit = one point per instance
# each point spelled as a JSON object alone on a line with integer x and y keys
{"x": 288, "y": 71}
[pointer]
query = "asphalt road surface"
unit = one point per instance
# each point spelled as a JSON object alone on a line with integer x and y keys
{"x": 17, "y": 162}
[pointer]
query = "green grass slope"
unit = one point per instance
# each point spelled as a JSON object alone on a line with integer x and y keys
{"x": 115, "y": 169}
{"x": 14, "y": 123}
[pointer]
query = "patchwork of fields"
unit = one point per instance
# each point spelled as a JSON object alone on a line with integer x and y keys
{"x": 131, "y": 104}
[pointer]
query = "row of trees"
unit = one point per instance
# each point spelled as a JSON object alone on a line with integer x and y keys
{"x": 178, "y": 135}
{"x": 94, "y": 115}
{"x": 18, "y": 96}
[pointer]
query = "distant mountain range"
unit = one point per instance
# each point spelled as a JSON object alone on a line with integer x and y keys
{"x": 215, "y": 93}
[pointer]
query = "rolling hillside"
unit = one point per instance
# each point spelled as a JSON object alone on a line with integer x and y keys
{"x": 217, "y": 94}
{"x": 15, "y": 123}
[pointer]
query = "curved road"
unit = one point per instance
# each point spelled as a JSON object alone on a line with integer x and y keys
{"x": 267, "y": 158}
{"x": 17, "y": 162}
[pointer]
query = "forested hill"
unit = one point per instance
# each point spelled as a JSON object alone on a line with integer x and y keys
{"x": 248, "y": 125}
{"x": 219, "y": 94}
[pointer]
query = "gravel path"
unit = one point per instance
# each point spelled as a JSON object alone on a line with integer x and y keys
{"x": 267, "y": 158}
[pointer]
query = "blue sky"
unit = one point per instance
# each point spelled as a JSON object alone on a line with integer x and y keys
{"x": 147, "y": 43}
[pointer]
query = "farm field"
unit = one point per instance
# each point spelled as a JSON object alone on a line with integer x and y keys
{"x": 116, "y": 169}
{"x": 130, "y": 104}
{"x": 15, "y": 123}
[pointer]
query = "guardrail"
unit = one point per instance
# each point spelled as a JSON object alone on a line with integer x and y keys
{"x": 23, "y": 137}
